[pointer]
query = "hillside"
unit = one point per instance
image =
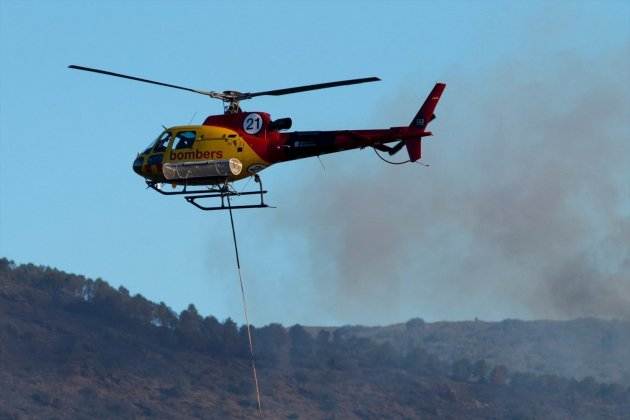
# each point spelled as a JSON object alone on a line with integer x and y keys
{"x": 75, "y": 347}
{"x": 574, "y": 349}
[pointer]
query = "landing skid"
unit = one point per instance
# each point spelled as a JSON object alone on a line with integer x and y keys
{"x": 222, "y": 192}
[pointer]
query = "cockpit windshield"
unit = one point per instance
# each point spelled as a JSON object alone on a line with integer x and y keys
{"x": 160, "y": 144}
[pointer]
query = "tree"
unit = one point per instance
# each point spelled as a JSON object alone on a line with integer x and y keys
{"x": 588, "y": 385}
{"x": 272, "y": 342}
{"x": 141, "y": 310}
{"x": 323, "y": 351}
{"x": 462, "y": 370}
{"x": 106, "y": 301}
{"x": 190, "y": 328}
{"x": 167, "y": 318}
{"x": 213, "y": 332}
{"x": 231, "y": 341}
{"x": 480, "y": 370}
{"x": 302, "y": 346}
{"x": 499, "y": 375}
{"x": 380, "y": 354}
{"x": 414, "y": 324}
{"x": 420, "y": 361}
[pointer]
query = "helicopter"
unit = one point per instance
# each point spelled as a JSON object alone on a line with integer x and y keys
{"x": 203, "y": 161}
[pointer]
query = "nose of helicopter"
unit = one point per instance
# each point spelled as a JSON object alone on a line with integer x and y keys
{"x": 137, "y": 164}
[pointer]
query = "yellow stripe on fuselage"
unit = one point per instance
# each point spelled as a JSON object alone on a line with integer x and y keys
{"x": 214, "y": 143}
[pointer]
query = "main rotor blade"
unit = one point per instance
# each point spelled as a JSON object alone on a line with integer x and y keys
{"x": 124, "y": 76}
{"x": 305, "y": 88}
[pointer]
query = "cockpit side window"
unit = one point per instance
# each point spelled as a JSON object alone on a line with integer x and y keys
{"x": 162, "y": 142}
{"x": 184, "y": 140}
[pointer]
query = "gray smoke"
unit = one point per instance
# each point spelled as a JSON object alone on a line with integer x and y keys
{"x": 525, "y": 211}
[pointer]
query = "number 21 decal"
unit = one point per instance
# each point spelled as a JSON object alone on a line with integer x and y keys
{"x": 252, "y": 123}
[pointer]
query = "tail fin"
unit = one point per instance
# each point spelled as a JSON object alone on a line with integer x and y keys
{"x": 424, "y": 116}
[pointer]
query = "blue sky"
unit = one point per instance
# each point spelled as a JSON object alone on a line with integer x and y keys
{"x": 69, "y": 199}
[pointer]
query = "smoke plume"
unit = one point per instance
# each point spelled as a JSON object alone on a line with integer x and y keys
{"x": 524, "y": 212}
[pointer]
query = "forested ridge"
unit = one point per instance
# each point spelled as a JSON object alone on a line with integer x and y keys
{"x": 76, "y": 347}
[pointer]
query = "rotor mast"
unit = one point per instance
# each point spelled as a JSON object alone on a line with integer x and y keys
{"x": 231, "y": 102}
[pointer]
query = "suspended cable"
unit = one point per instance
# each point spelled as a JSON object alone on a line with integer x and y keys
{"x": 249, "y": 333}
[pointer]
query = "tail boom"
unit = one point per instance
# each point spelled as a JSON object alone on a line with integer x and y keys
{"x": 303, "y": 144}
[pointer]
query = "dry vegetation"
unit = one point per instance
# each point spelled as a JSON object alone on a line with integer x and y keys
{"x": 74, "y": 347}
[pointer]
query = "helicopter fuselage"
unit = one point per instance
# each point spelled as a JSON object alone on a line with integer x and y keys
{"x": 230, "y": 147}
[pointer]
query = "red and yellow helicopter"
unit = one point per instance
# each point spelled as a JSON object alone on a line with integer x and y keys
{"x": 202, "y": 161}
